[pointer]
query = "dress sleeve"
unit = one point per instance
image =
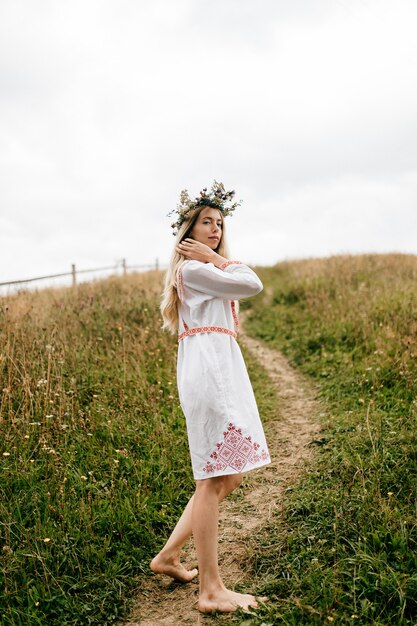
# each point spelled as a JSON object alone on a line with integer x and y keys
{"x": 236, "y": 280}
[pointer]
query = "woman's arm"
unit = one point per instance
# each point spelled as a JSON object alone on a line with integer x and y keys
{"x": 212, "y": 274}
{"x": 234, "y": 282}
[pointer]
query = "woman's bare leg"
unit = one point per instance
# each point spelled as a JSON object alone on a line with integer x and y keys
{"x": 168, "y": 560}
{"x": 214, "y": 596}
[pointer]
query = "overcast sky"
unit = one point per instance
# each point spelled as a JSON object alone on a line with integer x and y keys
{"x": 307, "y": 108}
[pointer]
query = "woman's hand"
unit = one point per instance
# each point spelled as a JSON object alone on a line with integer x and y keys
{"x": 192, "y": 249}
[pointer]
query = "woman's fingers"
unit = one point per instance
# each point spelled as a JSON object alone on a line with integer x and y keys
{"x": 192, "y": 249}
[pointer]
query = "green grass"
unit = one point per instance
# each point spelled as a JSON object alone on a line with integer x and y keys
{"x": 345, "y": 551}
{"x": 89, "y": 409}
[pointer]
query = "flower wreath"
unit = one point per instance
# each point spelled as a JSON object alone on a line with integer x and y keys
{"x": 217, "y": 198}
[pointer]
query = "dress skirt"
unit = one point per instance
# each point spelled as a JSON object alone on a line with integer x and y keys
{"x": 224, "y": 429}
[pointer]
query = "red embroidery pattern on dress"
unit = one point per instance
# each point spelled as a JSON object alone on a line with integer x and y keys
{"x": 235, "y": 451}
{"x": 227, "y": 263}
{"x": 180, "y": 288}
{"x": 206, "y": 329}
{"x": 235, "y": 318}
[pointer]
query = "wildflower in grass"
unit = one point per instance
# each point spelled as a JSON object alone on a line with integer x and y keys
{"x": 84, "y": 477}
{"x": 6, "y": 453}
{"x": 47, "y": 539}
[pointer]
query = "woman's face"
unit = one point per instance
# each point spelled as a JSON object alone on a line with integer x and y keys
{"x": 208, "y": 227}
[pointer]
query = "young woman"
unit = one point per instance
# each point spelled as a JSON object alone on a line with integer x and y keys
{"x": 225, "y": 433}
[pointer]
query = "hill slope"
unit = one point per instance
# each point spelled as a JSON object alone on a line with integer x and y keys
{"x": 89, "y": 408}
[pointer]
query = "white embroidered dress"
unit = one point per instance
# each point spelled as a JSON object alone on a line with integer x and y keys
{"x": 225, "y": 433}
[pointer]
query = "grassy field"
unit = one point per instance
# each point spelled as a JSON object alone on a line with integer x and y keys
{"x": 88, "y": 411}
{"x": 346, "y": 550}
{"x": 89, "y": 408}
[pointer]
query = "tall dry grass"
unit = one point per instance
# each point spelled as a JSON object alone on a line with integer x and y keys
{"x": 88, "y": 410}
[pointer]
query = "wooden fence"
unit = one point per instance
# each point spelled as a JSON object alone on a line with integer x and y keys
{"x": 74, "y": 272}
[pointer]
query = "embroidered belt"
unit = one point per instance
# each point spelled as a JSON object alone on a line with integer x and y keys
{"x": 206, "y": 329}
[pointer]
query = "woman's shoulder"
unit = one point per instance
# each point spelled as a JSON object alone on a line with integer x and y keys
{"x": 186, "y": 265}
{"x": 191, "y": 264}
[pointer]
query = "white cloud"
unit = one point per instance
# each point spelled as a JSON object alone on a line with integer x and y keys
{"x": 108, "y": 110}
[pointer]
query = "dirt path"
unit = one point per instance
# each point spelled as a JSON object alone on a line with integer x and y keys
{"x": 162, "y": 602}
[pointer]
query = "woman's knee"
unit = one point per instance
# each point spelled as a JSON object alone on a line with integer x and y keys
{"x": 210, "y": 485}
{"x": 233, "y": 482}
{"x": 221, "y": 485}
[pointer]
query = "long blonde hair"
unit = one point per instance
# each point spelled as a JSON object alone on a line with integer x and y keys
{"x": 170, "y": 299}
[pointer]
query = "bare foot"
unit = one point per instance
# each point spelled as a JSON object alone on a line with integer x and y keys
{"x": 227, "y": 601}
{"x": 173, "y": 568}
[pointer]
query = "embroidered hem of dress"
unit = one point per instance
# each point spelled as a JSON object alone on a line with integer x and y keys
{"x": 199, "y": 475}
{"x": 236, "y": 452}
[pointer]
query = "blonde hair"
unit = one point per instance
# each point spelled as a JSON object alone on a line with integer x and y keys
{"x": 170, "y": 299}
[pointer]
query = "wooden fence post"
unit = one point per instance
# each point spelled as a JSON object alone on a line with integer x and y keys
{"x": 74, "y": 275}
{"x": 124, "y": 267}
{"x": 157, "y": 264}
